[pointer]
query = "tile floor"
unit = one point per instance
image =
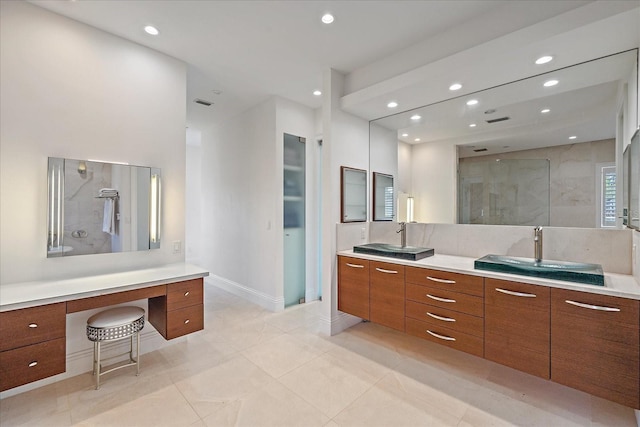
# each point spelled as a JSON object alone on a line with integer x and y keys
{"x": 250, "y": 367}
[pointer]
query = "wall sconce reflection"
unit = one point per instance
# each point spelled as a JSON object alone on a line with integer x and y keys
{"x": 410, "y": 209}
{"x": 55, "y": 213}
{"x": 154, "y": 211}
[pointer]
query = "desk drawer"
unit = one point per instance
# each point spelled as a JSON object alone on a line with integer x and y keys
{"x": 185, "y": 321}
{"x": 448, "y": 337}
{"x": 184, "y": 294}
{"x": 456, "y": 301}
{"x": 31, "y": 363}
{"x": 32, "y": 325}
{"x": 441, "y": 317}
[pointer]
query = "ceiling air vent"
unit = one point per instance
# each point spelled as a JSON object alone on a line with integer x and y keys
{"x": 479, "y": 150}
{"x": 203, "y": 102}
{"x": 500, "y": 119}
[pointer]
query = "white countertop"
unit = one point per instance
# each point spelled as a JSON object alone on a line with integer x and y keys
{"x": 28, "y": 294}
{"x": 619, "y": 285}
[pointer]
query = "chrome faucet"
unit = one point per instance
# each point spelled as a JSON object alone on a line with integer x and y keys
{"x": 403, "y": 235}
{"x": 537, "y": 243}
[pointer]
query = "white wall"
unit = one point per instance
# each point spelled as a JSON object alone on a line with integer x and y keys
{"x": 193, "y": 192}
{"x": 70, "y": 90}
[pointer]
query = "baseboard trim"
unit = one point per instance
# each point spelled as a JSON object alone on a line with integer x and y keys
{"x": 265, "y": 301}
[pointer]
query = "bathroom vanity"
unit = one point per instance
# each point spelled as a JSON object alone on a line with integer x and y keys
{"x": 586, "y": 337}
{"x": 33, "y": 315}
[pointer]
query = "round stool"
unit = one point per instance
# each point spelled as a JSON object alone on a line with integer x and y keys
{"x": 112, "y": 325}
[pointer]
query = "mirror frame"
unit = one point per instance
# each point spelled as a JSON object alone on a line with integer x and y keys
{"x": 380, "y": 216}
{"x": 348, "y": 190}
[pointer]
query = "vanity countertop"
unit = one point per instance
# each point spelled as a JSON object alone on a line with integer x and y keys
{"x": 620, "y": 285}
{"x": 28, "y": 294}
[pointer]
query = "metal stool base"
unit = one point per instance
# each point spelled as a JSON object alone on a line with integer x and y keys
{"x": 97, "y": 367}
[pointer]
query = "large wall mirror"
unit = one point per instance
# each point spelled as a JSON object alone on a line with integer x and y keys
{"x": 96, "y": 207}
{"x": 539, "y": 151}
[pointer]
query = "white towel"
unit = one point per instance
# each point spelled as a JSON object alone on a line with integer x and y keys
{"x": 109, "y": 218}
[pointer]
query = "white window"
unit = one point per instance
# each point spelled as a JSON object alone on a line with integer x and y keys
{"x": 608, "y": 196}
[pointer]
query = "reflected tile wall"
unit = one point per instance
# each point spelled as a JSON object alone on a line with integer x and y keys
{"x": 610, "y": 248}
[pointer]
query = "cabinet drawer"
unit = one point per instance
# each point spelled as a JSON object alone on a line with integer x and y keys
{"x": 456, "y": 301}
{"x": 472, "y": 285}
{"x": 505, "y": 293}
{"x": 387, "y": 294}
{"x": 185, "y": 321}
{"x": 445, "y": 336}
{"x": 441, "y": 317}
{"x": 353, "y": 286}
{"x": 31, "y": 363}
{"x": 32, "y": 325}
{"x": 184, "y": 294}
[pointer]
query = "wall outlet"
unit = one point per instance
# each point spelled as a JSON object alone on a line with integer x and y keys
{"x": 362, "y": 230}
{"x": 177, "y": 247}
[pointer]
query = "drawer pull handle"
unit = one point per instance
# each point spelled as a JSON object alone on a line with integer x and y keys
{"x": 516, "y": 294}
{"x": 444, "y": 319}
{"x": 355, "y": 265}
{"x": 591, "y": 307}
{"x": 186, "y": 294}
{"x": 32, "y": 364}
{"x": 33, "y": 325}
{"x": 186, "y": 321}
{"x": 382, "y": 270}
{"x": 442, "y": 337}
{"x": 440, "y": 299}
{"x": 435, "y": 279}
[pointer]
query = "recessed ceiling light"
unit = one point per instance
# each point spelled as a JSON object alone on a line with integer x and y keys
{"x": 392, "y": 104}
{"x": 405, "y": 134}
{"x": 472, "y": 125}
{"x": 472, "y": 102}
{"x": 549, "y": 83}
{"x": 455, "y": 86}
{"x": 544, "y": 59}
{"x": 317, "y": 93}
{"x": 150, "y": 29}
{"x": 545, "y": 111}
{"x": 572, "y": 137}
{"x": 327, "y": 18}
{"x": 417, "y": 140}
{"x": 416, "y": 117}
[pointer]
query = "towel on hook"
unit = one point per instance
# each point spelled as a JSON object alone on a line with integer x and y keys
{"x": 109, "y": 218}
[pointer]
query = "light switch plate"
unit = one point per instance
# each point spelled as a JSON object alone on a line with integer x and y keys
{"x": 177, "y": 247}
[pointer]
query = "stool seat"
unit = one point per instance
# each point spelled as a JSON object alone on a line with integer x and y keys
{"x": 111, "y": 325}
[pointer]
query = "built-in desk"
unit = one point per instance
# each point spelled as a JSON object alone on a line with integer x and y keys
{"x": 33, "y": 314}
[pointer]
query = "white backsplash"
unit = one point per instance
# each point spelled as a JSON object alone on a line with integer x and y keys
{"x": 610, "y": 248}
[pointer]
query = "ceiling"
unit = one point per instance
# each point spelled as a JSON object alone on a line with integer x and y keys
{"x": 241, "y": 52}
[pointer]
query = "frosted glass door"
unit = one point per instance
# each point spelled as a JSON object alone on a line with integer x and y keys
{"x": 294, "y": 219}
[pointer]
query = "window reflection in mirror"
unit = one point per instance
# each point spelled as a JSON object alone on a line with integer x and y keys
{"x": 97, "y": 207}
{"x": 383, "y": 197}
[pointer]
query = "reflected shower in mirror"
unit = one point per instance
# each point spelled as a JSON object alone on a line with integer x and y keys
{"x": 97, "y": 207}
{"x": 383, "y": 197}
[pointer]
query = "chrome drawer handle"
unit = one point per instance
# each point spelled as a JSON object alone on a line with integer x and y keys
{"x": 32, "y": 364}
{"x": 440, "y": 299}
{"x": 435, "y": 279}
{"x": 186, "y": 321}
{"x": 33, "y": 325}
{"x": 516, "y": 294}
{"x": 442, "y": 337}
{"x": 444, "y": 319}
{"x": 186, "y": 294}
{"x": 591, "y": 307}
{"x": 382, "y": 270}
{"x": 355, "y": 265}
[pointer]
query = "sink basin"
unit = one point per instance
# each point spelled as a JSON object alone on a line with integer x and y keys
{"x": 411, "y": 253}
{"x": 578, "y": 272}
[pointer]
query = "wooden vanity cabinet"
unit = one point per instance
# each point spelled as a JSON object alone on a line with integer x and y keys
{"x": 446, "y": 308}
{"x": 595, "y": 344}
{"x": 33, "y": 344}
{"x": 353, "y": 286}
{"x": 386, "y": 294}
{"x": 180, "y": 311}
{"x": 517, "y": 326}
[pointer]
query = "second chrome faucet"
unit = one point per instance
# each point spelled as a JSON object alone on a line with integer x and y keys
{"x": 537, "y": 243}
{"x": 403, "y": 234}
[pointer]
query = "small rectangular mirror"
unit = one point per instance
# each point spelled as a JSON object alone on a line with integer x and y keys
{"x": 353, "y": 200}
{"x": 383, "y": 197}
{"x": 96, "y": 207}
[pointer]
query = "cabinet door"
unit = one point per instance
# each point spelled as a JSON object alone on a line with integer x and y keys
{"x": 517, "y": 326}
{"x": 595, "y": 344}
{"x": 353, "y": 286}
{"x": 387, "y": 294}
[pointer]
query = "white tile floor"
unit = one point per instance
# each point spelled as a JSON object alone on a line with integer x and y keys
{"x": 250, "y": 367}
